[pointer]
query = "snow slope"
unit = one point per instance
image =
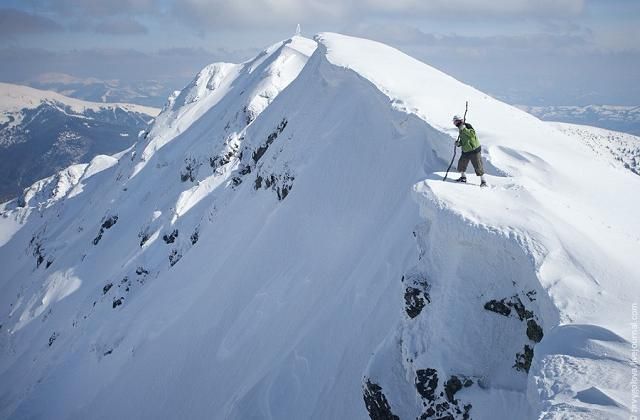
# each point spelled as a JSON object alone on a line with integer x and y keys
{"x": 281, "y": 246}
{"x": 620, "y": 149}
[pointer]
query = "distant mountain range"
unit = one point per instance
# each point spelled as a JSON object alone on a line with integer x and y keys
{"x": 149, "y": 92}
{"x": 42, "y": 132}
{"x": 612, "y": 117}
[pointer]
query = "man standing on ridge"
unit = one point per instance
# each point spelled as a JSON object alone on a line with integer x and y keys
{"x": 471, "y": 150}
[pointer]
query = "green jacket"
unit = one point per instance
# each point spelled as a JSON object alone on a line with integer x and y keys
{"x": 468, "y": 139}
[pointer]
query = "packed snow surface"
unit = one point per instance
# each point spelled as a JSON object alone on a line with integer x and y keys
{"x": 281, "y": 245}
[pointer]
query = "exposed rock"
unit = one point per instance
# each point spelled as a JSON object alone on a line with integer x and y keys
{"x": 281, "y": 184}
{"x": 523, "y": 360}
{"x": 194, "y": 237}
{"x": 414, "y": 302}
{"x": 426, "y": 383}
{"x": 190, "y": 170}
{"x": 452, "y": 386}
{"x": 117, "y": 302}
{"x": 263, "y": 148}
{"x": 107, "y": 224}
{"x": 174, "y": 257}
{"x": 441, "y": 404}
{"x": 169, "y": 239}
{"x": 52, "y": 338}
{"x": 498, "y": 306}
{"x": 144, "y": 237}
{"x": 534, "y": 331}
{"x": 416, "y": 294}
{"x": 376, "y": 402}
{"x": 106, "y": 288}
{"x": 522, "y": 312}
{"x": 140, "y": 271}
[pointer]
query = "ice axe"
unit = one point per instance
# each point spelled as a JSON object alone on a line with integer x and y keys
{"x": 455, "y": 145}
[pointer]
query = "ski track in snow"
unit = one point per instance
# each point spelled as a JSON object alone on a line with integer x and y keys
{"x": 281, "y": 245}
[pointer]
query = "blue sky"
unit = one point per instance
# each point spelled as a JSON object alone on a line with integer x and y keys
{"x": 561, "y": 52}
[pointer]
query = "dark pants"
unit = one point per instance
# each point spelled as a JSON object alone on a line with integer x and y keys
{"x": 475, "y": 156}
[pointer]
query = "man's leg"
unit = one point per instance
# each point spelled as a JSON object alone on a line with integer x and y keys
{"x": 462, "y": 167}
{"x": 476, "y": 161}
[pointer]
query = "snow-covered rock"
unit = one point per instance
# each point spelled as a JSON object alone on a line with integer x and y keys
{"x": 281, "y": 245}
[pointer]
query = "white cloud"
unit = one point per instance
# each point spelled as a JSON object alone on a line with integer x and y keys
{"x": 269, "y": 12}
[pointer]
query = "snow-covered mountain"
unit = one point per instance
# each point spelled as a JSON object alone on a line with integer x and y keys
{"x": 612, "y": 117}
{"x": 149, "y": 92}
{"x": 281, "y": 245}
{"x": 43, "y": 132}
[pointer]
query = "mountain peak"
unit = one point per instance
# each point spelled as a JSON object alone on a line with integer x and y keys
{"x": 281, "y": 245}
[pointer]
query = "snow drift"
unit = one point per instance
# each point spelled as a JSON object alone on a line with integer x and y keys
{"x": 281, "y": 246}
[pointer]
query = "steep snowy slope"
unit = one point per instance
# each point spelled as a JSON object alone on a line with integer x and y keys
{"x": 281, "y": 246}
{"x": 620, "y": 149}
{"x": 42, "y": 132}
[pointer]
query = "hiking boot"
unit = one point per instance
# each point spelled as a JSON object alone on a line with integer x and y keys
{"x": 462, "y": 179}
{"x": 483, "y": 184}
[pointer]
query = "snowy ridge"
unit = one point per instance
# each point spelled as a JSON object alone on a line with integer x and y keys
{"x": 296, "y": 207}
{"x": 259, "y": 80}
{"x": 587, "y": 282}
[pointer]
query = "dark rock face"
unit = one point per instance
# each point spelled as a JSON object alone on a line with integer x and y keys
{"x": 194, "y": 237}
{"x": 426, "y": 383}
{"x": 416, "y": 293}
{"x": 498, "y": 307}
{"x": 106, "y": 288}
{"x": 523, "y": 360}
{"x": 219, "y": 161}
{"x": 376, "y": 402}
{"x": 38, "y": 251}
{"x": 174, "y": 257}
{"x": 190, "y": 171}
{"x": 441, "y": 403}
{"x": 170, "y": 238}
{"x": 52, "y": 338}
{"x": 107, "y": 224}
{"x": 117, "y": 302}
{"x": 280, "y": 184}
{"x": 414, "y": 303}
{"x": 144, "y": 237}
{"x": 270, "y": 139}
{"x": 533, "y": 329}
{"x": 140, "y": 271}
{"x": 452, "y": 386}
